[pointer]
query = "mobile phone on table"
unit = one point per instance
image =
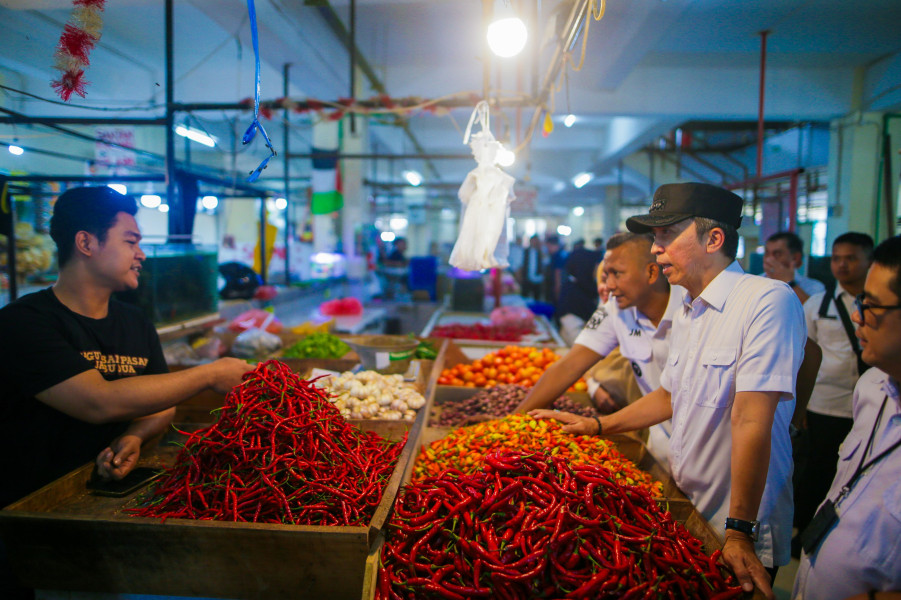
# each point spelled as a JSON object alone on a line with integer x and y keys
{"x": 135, "y": 480}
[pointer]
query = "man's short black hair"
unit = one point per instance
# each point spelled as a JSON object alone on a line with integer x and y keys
{"x": 730, "y": 242}
{"x": 91, "y": 209}
{"x": 861, "y": 240}
{"x": 888, "y": 255}
{"x": 795, "y": 244}
{"x": 624, "y": 237}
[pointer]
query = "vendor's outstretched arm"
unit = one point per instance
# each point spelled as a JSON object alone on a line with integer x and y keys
{"x": 558, "y": 377}
{"x": 648, "y": 410}
{"x": 91, "y": 398}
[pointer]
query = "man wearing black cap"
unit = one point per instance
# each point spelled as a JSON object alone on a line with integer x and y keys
{"x": 729, "y": 384}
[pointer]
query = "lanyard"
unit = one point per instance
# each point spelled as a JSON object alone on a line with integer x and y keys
{"x": 861, "y": 467}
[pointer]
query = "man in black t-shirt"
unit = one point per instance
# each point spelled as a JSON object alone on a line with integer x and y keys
{"x": 83, "y": 375}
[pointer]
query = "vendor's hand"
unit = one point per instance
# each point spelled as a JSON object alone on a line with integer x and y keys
{"x": 777, "y": 269}
{"x": 228, "y": 372}
{"x": 739, "y": 556}
{"x": 604, "y": 402}
{"x": 574, "y": 424}
{"x": 117, "y": 460}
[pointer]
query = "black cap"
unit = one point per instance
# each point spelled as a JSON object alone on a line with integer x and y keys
{"x": 674, "y": 202}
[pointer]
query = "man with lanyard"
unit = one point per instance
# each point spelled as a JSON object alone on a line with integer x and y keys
{"x": 783, "y": 255}
{"x": 729, "y": 383}
{"x": 852, "y": 547}
{"x": 637, "y": 318}
{"x": 828, "y": 416}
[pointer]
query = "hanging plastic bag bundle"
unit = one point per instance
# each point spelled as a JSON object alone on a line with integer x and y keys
{"x": 486, "y": 195}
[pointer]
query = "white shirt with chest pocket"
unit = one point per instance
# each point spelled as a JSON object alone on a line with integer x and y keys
{"x": 743, "y": 333}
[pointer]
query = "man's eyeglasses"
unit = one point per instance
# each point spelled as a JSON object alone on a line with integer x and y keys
{"x": 861, "y": 306}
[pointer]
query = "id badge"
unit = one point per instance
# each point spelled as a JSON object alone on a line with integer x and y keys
{"x": 820, "y": 524}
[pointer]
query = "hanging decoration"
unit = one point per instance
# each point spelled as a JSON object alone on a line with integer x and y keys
{"x": 486, "y": 194}
{"x": 256, "y": 125}
{"x": 77, "y": 40}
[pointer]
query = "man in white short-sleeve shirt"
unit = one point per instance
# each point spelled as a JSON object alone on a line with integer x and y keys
{"x": 737, "y": 345}
{"x": 637, "y": 318}
{"x": 829, "y": 416}
{"x": 855, "y": 553}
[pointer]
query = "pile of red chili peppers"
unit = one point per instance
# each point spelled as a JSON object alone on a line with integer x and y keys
{"x": 532, "y": 526}
{"x": 279, "y": 453}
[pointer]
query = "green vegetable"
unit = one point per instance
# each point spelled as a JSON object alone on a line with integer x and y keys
{"x": 317, "y": 345}
{"x": 426, "y": 351}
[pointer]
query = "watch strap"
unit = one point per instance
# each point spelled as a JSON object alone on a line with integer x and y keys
{"x": 749, "y": 528}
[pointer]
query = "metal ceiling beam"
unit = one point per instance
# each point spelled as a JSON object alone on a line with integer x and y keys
{"x": 378, "y": 156}
{"x": 331, "y": 18}
{"x": 26, "y": 120}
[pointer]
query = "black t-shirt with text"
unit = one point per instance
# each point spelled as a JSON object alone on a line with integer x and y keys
{"x": 43, "y": 343}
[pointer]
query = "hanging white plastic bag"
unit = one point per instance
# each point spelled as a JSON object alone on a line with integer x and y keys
{"x": 486, "y": 194}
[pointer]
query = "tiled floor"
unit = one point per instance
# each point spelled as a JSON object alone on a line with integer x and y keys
{"x": 785, "y": 578}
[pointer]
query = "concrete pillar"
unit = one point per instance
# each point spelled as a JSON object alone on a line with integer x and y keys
{"x": 853, "y": 175}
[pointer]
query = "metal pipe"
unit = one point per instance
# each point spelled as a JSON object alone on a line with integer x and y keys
{"x": 353, "y": 61}
{"x": 308, "y": 104}
{"x": 263, "y": 240}
{"x": 487, "y": 11}
{"x": 377, "y": 155}
{"x": 763, "y": 35}
{"x": 8, "y": 223}
{"x": 25, "y": 120}
{"x": 90, "y": 138}
{"x": 755, "y": 180}
{"x": 174, "y": 205}
{"x": 887, "y": 184}
{"x": 793, "y": 200}
{"x": 286, "y": 178}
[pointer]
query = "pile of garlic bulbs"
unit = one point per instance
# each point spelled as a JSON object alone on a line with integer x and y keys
{"x": 371, "y": 395}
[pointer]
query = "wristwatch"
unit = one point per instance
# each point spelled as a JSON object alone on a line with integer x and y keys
{"x": 749, "y": 528}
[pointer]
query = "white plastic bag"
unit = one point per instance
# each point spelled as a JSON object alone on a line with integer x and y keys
{"x": 486, "y": 194}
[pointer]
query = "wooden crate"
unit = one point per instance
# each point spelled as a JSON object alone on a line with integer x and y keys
{"x": 546, "y": 334}
{"x": 633, "y": 448}
{"x": 63, "y": 538}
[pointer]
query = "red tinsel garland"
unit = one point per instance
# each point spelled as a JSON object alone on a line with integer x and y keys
{"x": 78, "y": 38}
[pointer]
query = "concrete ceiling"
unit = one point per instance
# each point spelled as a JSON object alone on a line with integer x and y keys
{"x": 650, "y": 65}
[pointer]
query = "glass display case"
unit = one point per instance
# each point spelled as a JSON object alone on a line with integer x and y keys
{"x": 178, "y": 282}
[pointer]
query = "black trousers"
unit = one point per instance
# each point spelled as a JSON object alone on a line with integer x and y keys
{"x": 826, "y": 434}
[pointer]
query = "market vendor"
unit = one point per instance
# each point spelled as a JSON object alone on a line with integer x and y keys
{"x": 729, "y": 383}
{"x": 637, "y": 319}
{"x": 852, "y": 548}
{"x": 84, "y": 375}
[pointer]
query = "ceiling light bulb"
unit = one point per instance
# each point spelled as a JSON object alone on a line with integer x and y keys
{"x": 564, "y": 230}
{"x": 582, "y": 179}
{"x": 397, "y": 223}
{"x": 281, "y": 203}
{"x": 507, "y": 37}
{"x": 164, "y": 208}
{"x": 578, "y": 211}
{"x": 505, "y": 157}
{"x": 119, "y": 187}
{"x": 209, "y": 202}
{"x": 151, "y": 200}
{"x": 17, "y": 150}
{"x": 387, "y": 236}
{"x": 569, "y": 120}
{"x": 413, "y": 177}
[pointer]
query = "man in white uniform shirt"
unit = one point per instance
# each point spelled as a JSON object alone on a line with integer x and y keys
{"x": 783, "y": 255}
{"x": 852, "y": 548}
{"x": 736, "y": 347}
{"x": 637, "y": 318}
{"x": 829, "y": 415}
